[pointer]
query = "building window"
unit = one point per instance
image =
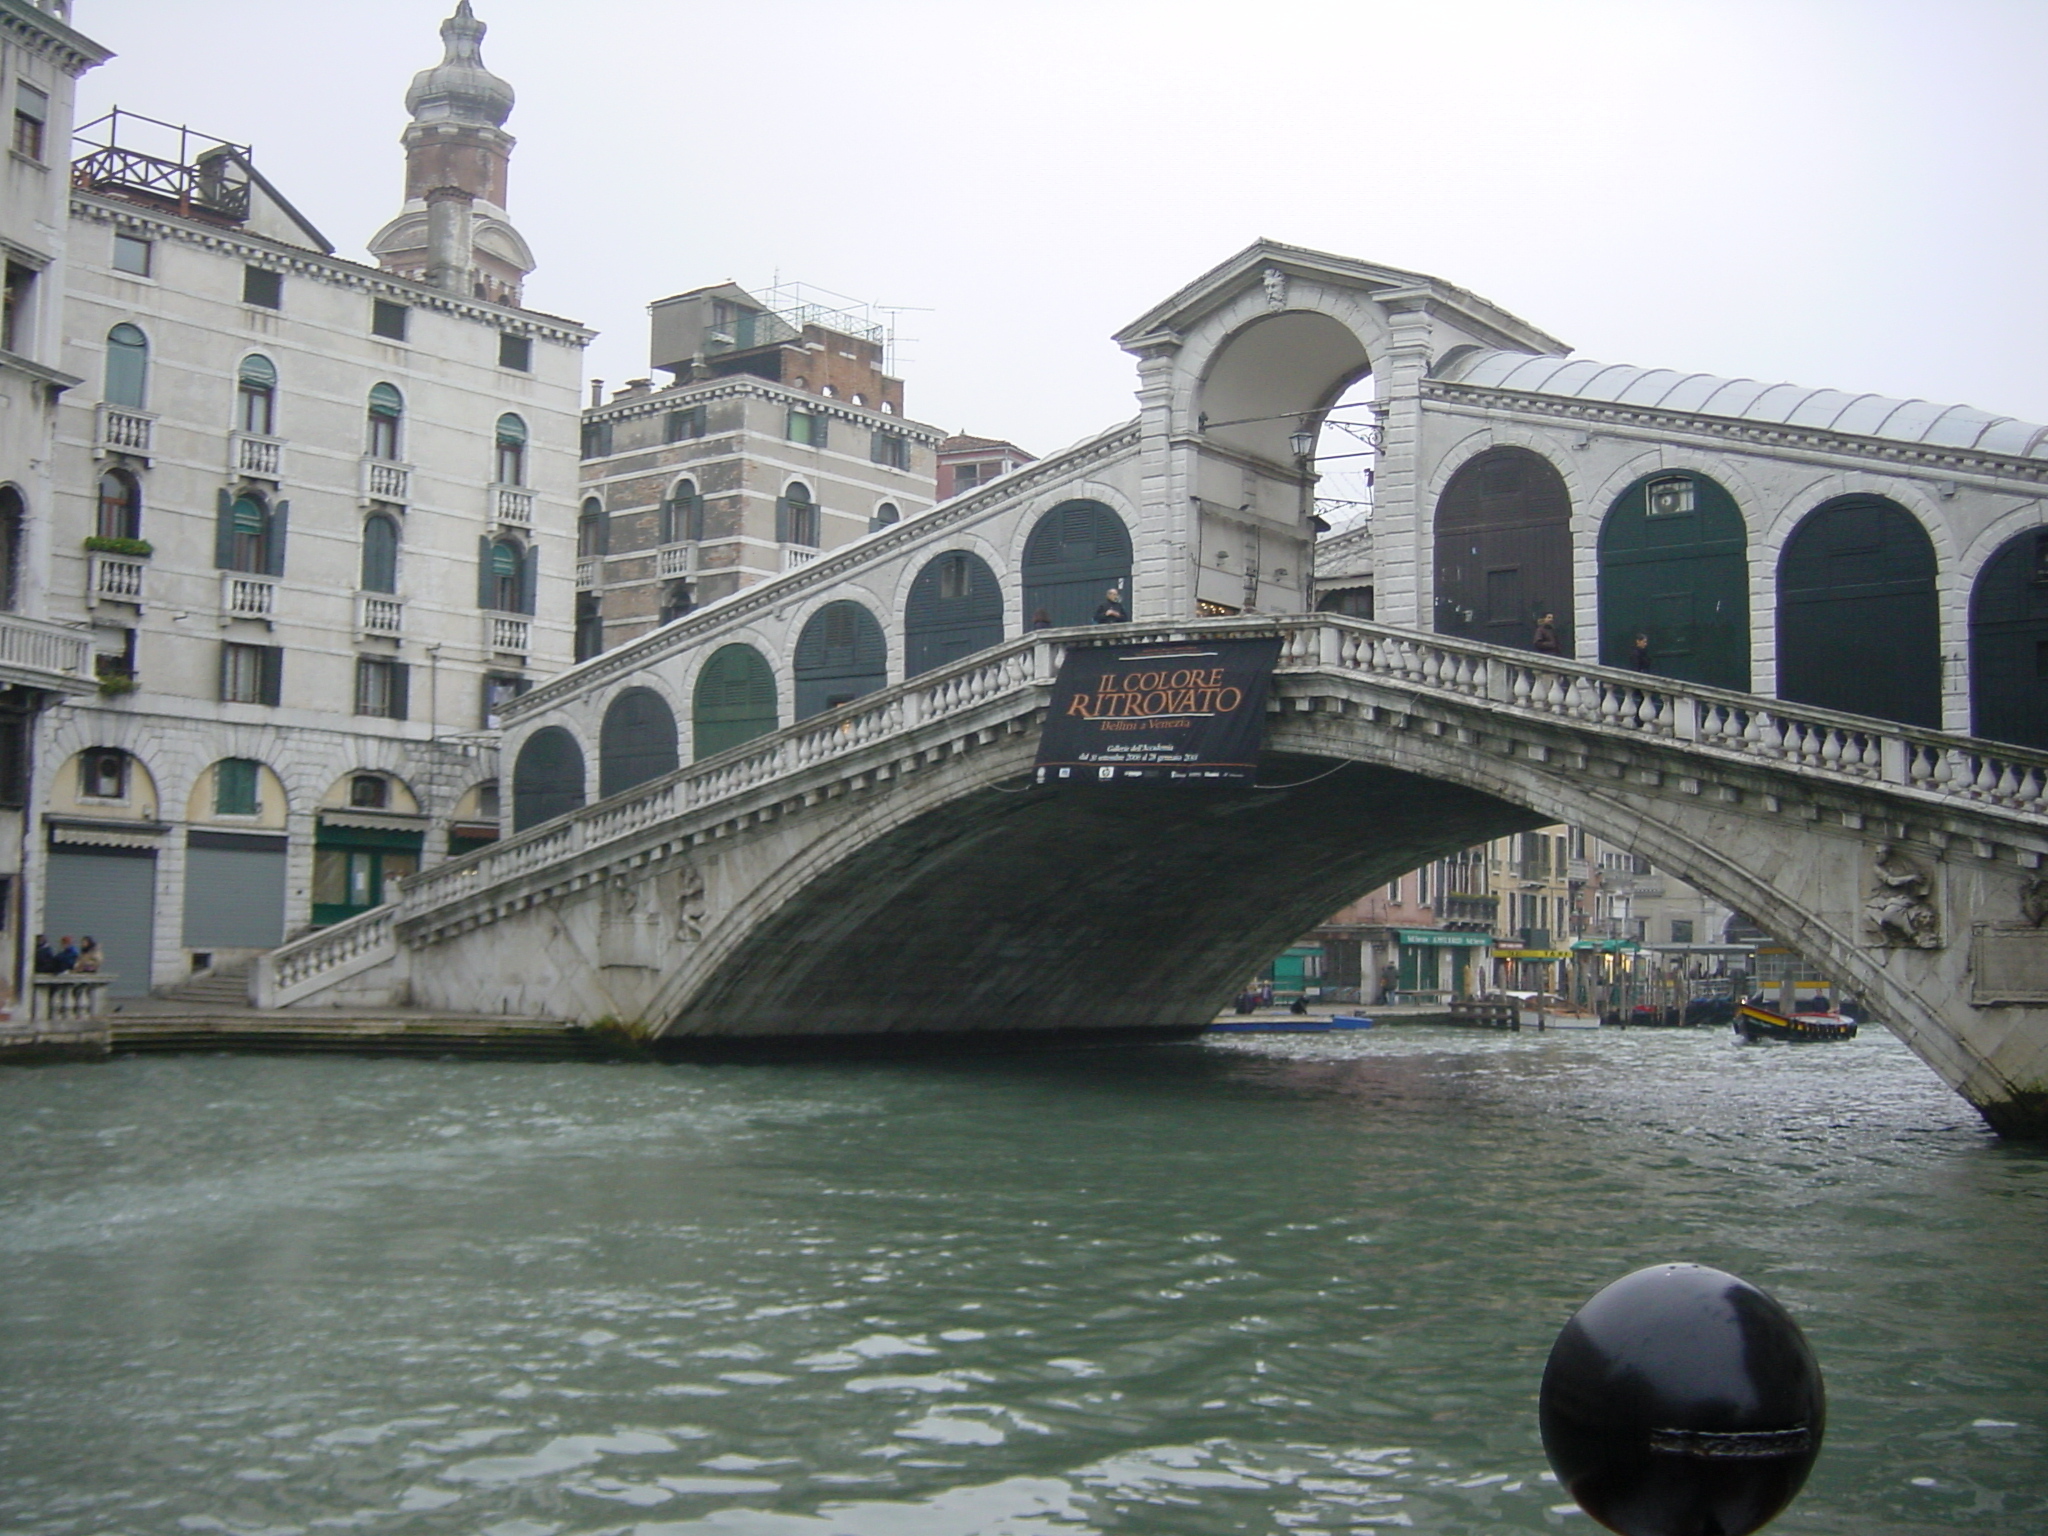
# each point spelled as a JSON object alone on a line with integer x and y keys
{"x": 684, "y": 424}
{"x": 380, "y": 687}
{"x": 238, "y": 787}
{"x": 956, "y": 577}
{"x": 103, "y": 774}
{"x": 369, "y": 792}
{"x": 589, "y": 625}
{"x": 807, "y": 427}
{"x": 1672, "y": 496}
{"x": 597, "y": 440}
{"x": 892, "y": 449}
{"x": 885, "y": 514}
{"x": 591, "y": 529}
{"x": 262, "y": 286}
{"x": 796, "y": 517}
{"x": 387, "y": 409}
{"x": 248, "y": 537}
{"x": 127, "y": 367}
{"x": 250, "y": 674}
{"x": 510, "y": 463}
{"x": 256, "y": 396}
{"x": 1681, "y": 930}
{"x": 508, "y": 576}
{"x": 682, "y": 515}
{"x": 676, "y": 600}
{"x": 500, "y": 689}
{"x": 515, "y": 352}
{"x": 380, "y": 553}
{"x": 31, "y": 113}
{"x": 131, "y": 255}
{"x": 388, "y": 319}
{"x": 965, "y": 476}
{"x": 17, "y": 319}
{"x": 120, "y": 506}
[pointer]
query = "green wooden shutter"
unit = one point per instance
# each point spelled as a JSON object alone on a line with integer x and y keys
{"x": 280, "y": 517}
{"x": 224, "y": 531}
{"x": 782, "y": 519}
{"x": 271, "y": 678}
{"x": 484, "y": 595}
{"x": 529, "y": 579}
{"x": 401, "y": 689}
{"x": 820, "y": 429}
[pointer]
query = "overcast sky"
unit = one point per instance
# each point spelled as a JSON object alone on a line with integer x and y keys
{"x": 1832, "y": 192}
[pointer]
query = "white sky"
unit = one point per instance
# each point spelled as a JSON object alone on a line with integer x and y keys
{"x": 1832, "y": 192}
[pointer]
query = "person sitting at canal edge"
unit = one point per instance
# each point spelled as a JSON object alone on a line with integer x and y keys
{"x": 1112, "y": 610}
{"x": 1299, "y": 1005}
{"x": 1545, "y": 638}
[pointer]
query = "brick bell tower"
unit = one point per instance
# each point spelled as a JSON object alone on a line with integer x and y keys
{"x": 453, "y": 232}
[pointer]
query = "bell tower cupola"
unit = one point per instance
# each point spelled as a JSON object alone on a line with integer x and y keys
{"x": 454, "y": 232}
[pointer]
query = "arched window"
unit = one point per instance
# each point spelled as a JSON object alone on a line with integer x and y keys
{"x": 796, "y": 516}
{"x": 1858, "y": 620}
{"x": 1504, "y": 551}
{"x": 13, "y": 523}
{"x": 380, "y": 553}
{"x": 509, "y": 465}
{"x": 249, "y": 534}
{"x": 839, "y": 656}
{"x": 885, "y": 514}
{"x": 507, "y": 576}
{"x": 120, "y": 506}
{"x": 256, "y": 396}
{"x": 1075, "y": 554}
{"x": 591, "y": 528}
{"x": 127, "y": 367}
{"x": 637, "y": 741}
{"x": 682, "y": 515}
{"x": 2009, "y": 643}
{"x": 955, "y": 608}
{"x": 547, "y": 778}
{"x": 1673, "y": 568}
{"x": 387, "y": 407}
{"x": 734, "y": 700}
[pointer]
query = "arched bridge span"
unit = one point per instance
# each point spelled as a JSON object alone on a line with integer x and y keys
{"x": 890, "y": 865}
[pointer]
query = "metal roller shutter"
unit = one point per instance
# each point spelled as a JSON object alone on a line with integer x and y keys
{"x": 234, "y": 891}
{"x": 109, "y": 893}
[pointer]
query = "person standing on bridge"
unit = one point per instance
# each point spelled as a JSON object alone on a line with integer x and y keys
{"x": 1112, "y": 610}
{"x": 1639, "y": 653}
{"x": 1545, "y": 638}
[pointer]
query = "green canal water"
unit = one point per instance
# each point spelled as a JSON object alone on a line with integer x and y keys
{"x": 1263, "y": 1285}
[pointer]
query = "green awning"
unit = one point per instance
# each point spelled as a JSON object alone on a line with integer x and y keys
{"x": 1609, "y": 946}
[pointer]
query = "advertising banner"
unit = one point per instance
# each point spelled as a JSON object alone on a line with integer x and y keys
{"x": 1181, "y": 713}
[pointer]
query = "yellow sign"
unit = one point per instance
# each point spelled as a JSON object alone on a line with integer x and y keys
{"x": 1532, "y": 954}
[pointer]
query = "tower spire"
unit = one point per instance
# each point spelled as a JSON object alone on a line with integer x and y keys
{"x": 454, "y": 231}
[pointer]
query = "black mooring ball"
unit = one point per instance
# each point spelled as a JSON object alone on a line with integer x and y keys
{"x": 1681, "y": 1401}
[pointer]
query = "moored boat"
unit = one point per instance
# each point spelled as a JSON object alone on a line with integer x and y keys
{"x": 1755, "y": 1023}
{"x": 1293, "y": 1025}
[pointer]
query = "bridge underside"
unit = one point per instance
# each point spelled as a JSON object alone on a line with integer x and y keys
{"x": 1083, "y": 907}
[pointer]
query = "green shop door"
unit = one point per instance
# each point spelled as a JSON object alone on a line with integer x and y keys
{"x": 1674, "y": 566}
{"x": 353, "y": 868}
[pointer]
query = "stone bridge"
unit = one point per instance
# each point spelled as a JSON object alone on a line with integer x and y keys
{"x": 889, "y": 865}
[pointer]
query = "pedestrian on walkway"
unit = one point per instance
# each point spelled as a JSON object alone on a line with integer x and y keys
{"x": 88, "y": 962}
{"x": 67, "y": 954}
{"x": 1545, "y": 638}
{"x": 1639, "y": 653}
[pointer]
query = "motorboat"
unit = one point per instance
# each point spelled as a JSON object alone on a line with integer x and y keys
{"x": 1547, "y": 1010}
{"x": 1754, "y": 1022}
{"x": 1295, "y": 1024}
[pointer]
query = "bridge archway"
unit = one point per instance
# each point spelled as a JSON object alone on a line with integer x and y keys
{"x": 547, "y": 777}
{"x": 840, "y": 655}
{"x": 1674, "y": 566}
{"x": 1075, "y": 553}
{"x": 955, "y": 608}
{"x": 734, "y": 700}
{"x": 637, "y": 741}
{"x": 1858, "y": 612}
{"x": 2009, "y": 643}
{"x": 1275, "y": 375}
{"x": 1504, "y": 550}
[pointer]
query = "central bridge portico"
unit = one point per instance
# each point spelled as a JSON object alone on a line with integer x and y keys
{"x": 891, "y": 866}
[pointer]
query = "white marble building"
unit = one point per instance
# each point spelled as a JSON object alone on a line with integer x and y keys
{"x": 319, "y": 519}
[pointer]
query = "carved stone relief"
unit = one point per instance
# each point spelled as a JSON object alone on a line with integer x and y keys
{"x": 1899, "y": 911}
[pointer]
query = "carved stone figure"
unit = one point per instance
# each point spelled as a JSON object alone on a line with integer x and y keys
{"x": 686, "y": 898}
{"x": 1276, "y": 288}
{"x": 2034, "y": 901}
{"x": 1898, "y": 910}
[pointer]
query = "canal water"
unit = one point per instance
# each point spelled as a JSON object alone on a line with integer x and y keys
{"x": 1264, "y": 1285}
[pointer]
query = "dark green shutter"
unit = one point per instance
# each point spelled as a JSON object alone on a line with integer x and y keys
{"x": 529, "y": 579}
{"x": 401, "y": 689}
{"x": 819, "y": 429}
{"x": 224, "y": 531}
{"x": 782, "y": 519}
{"x": 280, "y": 516}
{"x": 484, "y": 594}
{"x": 271, "y": 670}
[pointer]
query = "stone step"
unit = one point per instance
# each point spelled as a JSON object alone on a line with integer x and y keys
{"x": 343, "y": 1034}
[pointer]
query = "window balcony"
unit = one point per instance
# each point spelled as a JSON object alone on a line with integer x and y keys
{"x": 378, "y": 614}
{"x": 117, "y": 429}
{"x": 243, "y": 596}
{"x": 512, "y": 505}
{"x": 674, "y": 560}
{"x": 260, "y": 457}
{"x": 586, "y": 572}
{"x": 114, "y": 578}
{"x": 794, "y": 555}
{"x": 385, "y": 481}
{"x": 507, "y": 635}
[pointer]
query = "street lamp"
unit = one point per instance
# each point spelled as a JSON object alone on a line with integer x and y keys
{"x": 1302, "y": 442}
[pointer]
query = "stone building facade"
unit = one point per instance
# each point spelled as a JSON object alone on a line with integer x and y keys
{"x": 319, "y": 519}
{"x": 781, "y": 437}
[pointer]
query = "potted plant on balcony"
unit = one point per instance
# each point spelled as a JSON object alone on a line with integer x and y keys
{"x": 107, "y": 544}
